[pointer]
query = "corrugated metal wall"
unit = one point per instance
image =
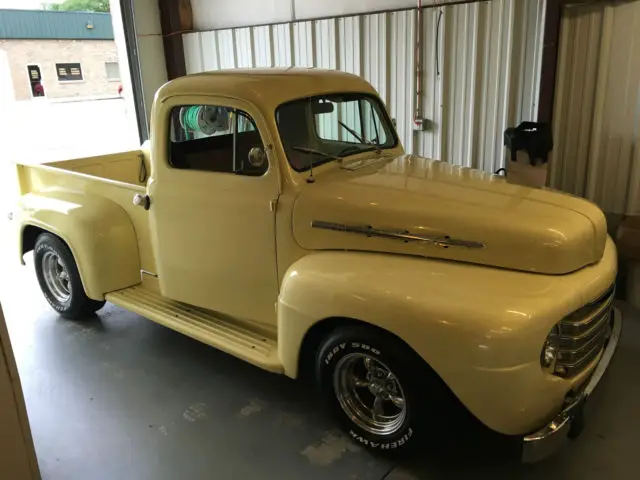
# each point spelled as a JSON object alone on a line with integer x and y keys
{"x": 597, "y": 108}
{"x": 481, "y": 66}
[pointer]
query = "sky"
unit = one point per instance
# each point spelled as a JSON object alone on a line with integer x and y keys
{"x": 25, "y": 4}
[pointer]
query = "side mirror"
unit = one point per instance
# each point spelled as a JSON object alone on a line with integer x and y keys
{"x": 257, "y": 157}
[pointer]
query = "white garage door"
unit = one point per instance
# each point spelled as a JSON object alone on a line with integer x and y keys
{"x": 597, "y": 106}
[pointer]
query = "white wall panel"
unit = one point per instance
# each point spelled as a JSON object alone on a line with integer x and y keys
{"x": 597, "y": 108}
{"x": 496, "y": 23}
{"x": 193, "y": 52}
{"x": 428, "y": 142}
{"x": 531, "y": 42}
{"x": 401, "y": 64}
{"x": 282, "y": 45}
{"x": 460, "y": 94}
{"x": 325, "y": 43}
{"x": 350, "y": 44}
{"x": 263, "y": 51}
{"x": 375, "y": 52}
{"x": 226, "y": 49}
{"x": 303, "y": 44}
{"x": 480, "y": 65}
{"x": 244, "y": 47}
{"x": 210, "y": 51}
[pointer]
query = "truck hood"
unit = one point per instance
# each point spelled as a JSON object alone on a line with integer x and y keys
{"x": 415, "y": 206}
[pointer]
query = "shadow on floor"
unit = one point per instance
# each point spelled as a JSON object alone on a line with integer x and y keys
{"x": 117, "y": 396}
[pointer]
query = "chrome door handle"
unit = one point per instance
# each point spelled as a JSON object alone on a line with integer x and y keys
{"x": 142, "y": 201}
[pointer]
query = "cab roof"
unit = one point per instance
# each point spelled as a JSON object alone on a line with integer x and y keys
{"x": 265, "y": 88}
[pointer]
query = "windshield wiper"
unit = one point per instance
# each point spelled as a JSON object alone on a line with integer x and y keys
{"x": 317, "y": 152}
{"x": 361, "y": 139}
{"x": 351, "y": 131}
{"x": 353, "y": 149}
{"x": 313, "y": 151}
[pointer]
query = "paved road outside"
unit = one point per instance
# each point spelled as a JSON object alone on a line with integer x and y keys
{"x": 41, "y": 130}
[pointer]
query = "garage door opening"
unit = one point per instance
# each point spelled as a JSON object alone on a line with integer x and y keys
{"x": 64, "y": 93}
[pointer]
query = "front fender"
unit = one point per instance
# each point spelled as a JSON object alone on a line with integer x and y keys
{"x": 98, "y": 231}
{"x": 480, "y": 329}
{"x": 433, "y": 306}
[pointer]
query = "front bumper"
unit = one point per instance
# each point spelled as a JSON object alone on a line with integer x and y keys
{"x": 552, "y": 436}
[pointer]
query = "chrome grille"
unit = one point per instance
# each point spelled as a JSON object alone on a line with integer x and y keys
{"x": 583, "y": 335}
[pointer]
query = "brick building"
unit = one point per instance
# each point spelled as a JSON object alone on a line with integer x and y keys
{"x": 58, "y": 54}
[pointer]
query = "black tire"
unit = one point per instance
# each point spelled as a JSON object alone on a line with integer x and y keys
{"x": 347, "y": 345}
{"x": 76, "y": 304}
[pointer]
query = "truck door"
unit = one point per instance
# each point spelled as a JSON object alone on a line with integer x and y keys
{"x": 212, "y": 193}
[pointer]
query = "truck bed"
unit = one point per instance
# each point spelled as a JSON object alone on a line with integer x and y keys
{"x": 115, "y": 178}
{"x": 128, "y": 167}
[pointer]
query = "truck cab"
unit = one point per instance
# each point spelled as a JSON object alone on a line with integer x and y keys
{"x": 275, "y": 215}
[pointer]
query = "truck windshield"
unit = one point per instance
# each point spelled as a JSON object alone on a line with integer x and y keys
{"x": 324, "y": 128}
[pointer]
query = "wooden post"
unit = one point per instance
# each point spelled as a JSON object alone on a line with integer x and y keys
{"x": 549, "y": 66}
{"x": 176, "y": 18}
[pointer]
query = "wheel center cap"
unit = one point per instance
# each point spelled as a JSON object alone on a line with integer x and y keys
{"x": 376, "y": 388}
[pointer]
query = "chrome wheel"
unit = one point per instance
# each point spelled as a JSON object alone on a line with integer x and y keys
{"x": 370, "y": 394}
{"x": 56, "y": 277}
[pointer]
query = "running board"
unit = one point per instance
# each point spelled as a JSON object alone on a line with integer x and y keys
{"x": 201, "y": 325}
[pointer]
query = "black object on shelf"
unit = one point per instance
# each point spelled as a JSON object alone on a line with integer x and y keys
{"x": 532, "y": 137}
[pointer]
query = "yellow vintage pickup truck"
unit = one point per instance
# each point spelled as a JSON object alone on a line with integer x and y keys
{"x": 274, "y": 215}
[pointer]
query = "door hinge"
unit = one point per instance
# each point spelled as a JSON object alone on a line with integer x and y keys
{"x": 273, "y": 205}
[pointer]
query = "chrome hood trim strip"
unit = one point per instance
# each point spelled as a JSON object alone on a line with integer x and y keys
{"x": 403, "y": 235}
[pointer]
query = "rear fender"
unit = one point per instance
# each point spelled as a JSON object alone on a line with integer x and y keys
{"x": 97, "y": 230}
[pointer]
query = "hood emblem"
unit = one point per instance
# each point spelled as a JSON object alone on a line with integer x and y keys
{"x": 402, "y": 235}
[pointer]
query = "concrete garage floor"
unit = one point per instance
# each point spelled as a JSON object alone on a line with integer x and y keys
{"x": 119, "y": 397}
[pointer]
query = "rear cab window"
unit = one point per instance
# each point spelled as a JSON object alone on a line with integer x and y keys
{"x": 215, "y": 139}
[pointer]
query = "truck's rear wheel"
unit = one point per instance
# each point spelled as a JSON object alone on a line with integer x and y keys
{"x": 59, "y": 279}
{"x": 374, "y": 386}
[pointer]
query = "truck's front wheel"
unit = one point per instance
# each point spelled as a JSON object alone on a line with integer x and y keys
{"x": 59, "y": 279}
{"x": 374, "y": 386}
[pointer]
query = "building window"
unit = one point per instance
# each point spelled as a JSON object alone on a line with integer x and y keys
{"x": 113, "y": 70}
{"x": 69, "y": 72}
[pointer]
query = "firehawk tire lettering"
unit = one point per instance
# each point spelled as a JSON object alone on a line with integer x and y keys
{"x": 383, "y": 446}
{"x": 363, "y": 342}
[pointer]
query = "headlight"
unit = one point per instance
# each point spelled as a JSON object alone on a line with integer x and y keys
{"x": 549, "y": 354}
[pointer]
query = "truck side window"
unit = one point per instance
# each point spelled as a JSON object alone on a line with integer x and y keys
{"x": 214, "y": 139}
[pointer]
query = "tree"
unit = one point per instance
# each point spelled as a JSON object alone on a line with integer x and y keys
{"x": 82, "y": 6}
